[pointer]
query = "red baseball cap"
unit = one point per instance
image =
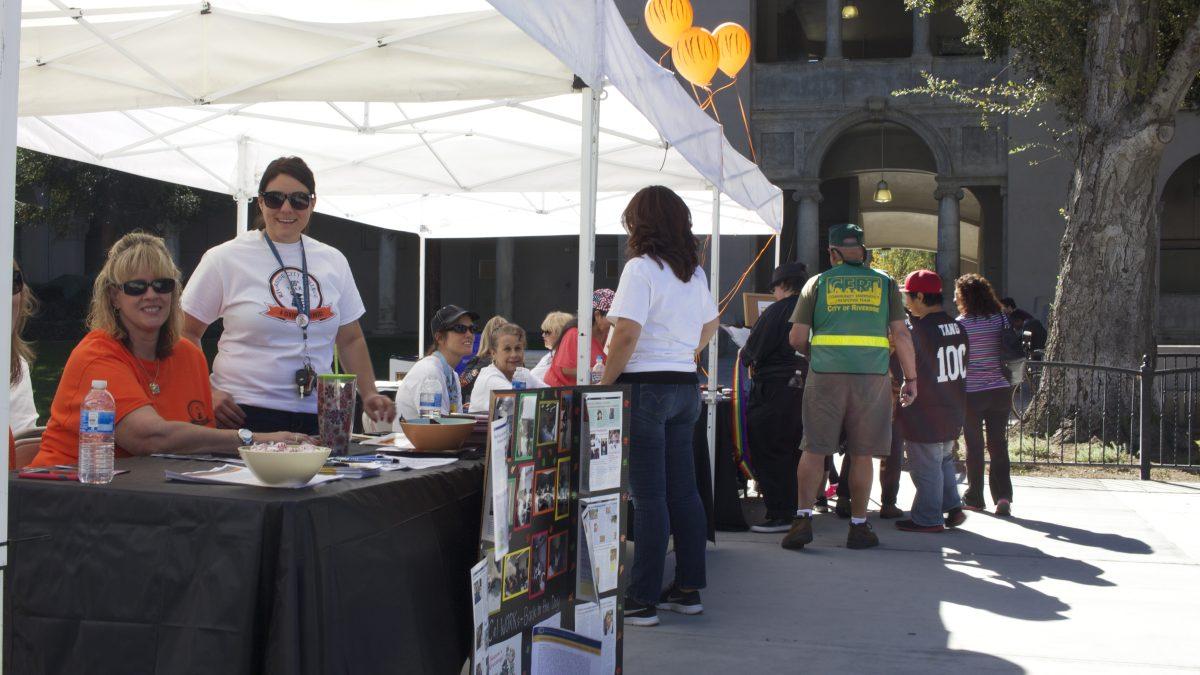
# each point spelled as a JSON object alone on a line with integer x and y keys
{"x": 922, "y": 281}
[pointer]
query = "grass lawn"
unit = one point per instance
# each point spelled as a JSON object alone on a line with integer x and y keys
{"x": 52, "y": 356}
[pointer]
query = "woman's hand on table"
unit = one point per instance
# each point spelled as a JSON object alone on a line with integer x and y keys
{"x": 379, "y": 407}
{"x": 290, "y": 437}
{"x": 227, "y": 412}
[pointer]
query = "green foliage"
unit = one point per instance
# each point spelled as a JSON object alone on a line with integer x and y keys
{"x": 898, "y": 262}
{"x": 61, "y": 193}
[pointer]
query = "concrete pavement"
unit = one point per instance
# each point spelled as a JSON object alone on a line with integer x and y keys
{"x": 1090, "y": 576}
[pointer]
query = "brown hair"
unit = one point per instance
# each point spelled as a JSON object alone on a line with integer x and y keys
{"x": 20, "y": 348}
{"x": 975, "y": 297}
{"x": 131, "y": 253}
{"x": 284, "y": 166}
{"x": 660, "y": 227}
{"x": 511, "y": 329}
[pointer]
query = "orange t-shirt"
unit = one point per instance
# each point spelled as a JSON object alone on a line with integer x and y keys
{"x": 185, "y": 395}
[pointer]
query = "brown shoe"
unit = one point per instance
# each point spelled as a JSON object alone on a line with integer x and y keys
{"x": 889, "y": 511}
{"x": 861, "y": 536}
{"x": 799, "y": 535}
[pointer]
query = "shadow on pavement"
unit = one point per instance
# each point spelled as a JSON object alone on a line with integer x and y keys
{"x": 1074, "y": 535}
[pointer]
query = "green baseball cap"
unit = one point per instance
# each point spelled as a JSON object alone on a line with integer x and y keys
{"x": 841, "y": 235}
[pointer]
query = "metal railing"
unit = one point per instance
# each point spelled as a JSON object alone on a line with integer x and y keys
{"x": 1082, "y": 414}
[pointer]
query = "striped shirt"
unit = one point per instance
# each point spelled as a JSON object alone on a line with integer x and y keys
{"x": 984, "y": 370}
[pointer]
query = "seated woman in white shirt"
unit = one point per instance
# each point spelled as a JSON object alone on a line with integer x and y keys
{"x": 553, "y": 327}
{"x": 507, "y": 370}
{"x": 454, "y": 330}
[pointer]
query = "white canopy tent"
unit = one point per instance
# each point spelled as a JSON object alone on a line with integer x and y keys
{"x": 177, "y": 81}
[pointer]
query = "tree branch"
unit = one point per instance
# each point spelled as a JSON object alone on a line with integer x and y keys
{"x": 1177, "y": 77}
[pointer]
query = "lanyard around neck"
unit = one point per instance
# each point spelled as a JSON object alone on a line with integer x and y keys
{"x": 301, "y": 309}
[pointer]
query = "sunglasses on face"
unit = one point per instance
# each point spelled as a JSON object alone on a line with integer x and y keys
{"x": 274, "y": 200}
{"x": 547, "y": 332}
{"x": 137, "y": 287}
{"x": 462, "y": 330}
{"x": 18, "y": 282}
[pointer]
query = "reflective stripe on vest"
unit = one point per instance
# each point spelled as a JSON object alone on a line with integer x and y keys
{"x": 850, "y": 341}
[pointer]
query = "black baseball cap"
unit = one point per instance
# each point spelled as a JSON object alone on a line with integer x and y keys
{"x": 789, "y": 271}
{"x": 448, "y": 316}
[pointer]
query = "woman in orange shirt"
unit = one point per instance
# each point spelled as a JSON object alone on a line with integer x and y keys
{"x": 159, "y": 381}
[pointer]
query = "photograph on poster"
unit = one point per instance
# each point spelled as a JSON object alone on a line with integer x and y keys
{"x": 543, "y": 491}
{"x": 525, "y": 429}
{"x": 537, "y": 570}
{"x": 503, "y": 410}
{"x": 505, "y": 658}
{"x": 547, "y": 425}
{"x": 564, "y": 424}
{"x": 523, "y": 509}
{"x": 516, "y": 573}
{"x": 558, "y": 555}
{"x": 493, "y": 582}
{"x": 562, "y": 502}
{"x": 597, "y": 445}
{"x": 614, "y": 440}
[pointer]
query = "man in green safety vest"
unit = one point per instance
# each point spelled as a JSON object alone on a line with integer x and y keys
{"x": 850, "y": 311}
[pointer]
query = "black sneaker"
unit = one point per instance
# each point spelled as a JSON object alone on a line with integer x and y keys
{"x": 861, "y": 535}
{"x": 842, "y": 510}
{"x": 821, "y": 505}
{"x": 889, "y": 511}
{"x": 675, "y": 600}
{"x": 639, "y": 614}
{"x": 800, "y": 534}
{"x": 955, "y": 517}
{"x": 771, "y": 525}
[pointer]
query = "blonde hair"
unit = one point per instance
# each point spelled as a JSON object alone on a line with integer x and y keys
{"x": 20, "y": 348}
{"x": 487, "y": 340}
{"x": 132, "y": 253}
{"x": 509, "y": 329}
{"x": 556, "y": 323}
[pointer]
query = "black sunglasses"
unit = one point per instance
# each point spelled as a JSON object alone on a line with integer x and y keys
{"x": 461, "y": 329}
{"x": 299, "y": 200}
{"x": 18, "y": 282}
{"x": 137, "y": 287}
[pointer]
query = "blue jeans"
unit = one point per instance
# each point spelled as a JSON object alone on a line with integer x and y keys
{"x": 662, "y": 482}
{"x": 931, "y": 466}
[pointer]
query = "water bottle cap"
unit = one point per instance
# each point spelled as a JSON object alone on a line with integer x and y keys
{"x": 99, "y": 384}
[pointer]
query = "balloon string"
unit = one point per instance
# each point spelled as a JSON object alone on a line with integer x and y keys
{"x": 664, "y": 56}
{"x": 695, "y": 95}
{"x": 746, "y": 125}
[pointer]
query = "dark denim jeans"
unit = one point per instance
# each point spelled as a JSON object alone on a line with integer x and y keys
{"x": 265, "y": 420}
{"x": 662, "y": 482}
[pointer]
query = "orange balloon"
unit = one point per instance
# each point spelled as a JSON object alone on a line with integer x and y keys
{"x": 733, "y": 43}
{"x": 696, "y": 56}
{"x": 667, "y": 19}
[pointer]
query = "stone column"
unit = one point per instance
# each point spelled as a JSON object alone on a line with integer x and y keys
{"x": 949, "y": 248}
{"x": 505, "y": 277}
{"x": 808, "y": 223}
{"x": 833, "y": 29}
{"x": 920, "y": 34}
{"x": 385, "y": 324}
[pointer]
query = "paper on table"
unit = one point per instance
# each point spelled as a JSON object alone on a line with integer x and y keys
{"x": 229, "y": 474}
{"x": 499, "y": 473}
{"x": 560, "y": 651}
{"x": 604, "y": 412}
{"x": 395, "y": 439}
{"x": 479, "y": 610}
{"x": 424, "y": 462}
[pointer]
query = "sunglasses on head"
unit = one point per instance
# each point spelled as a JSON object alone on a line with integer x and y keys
{"x": 461, "y": 329}
{"x": 274, "y": 200}
{"x": 137, "y": 287}
{"x": 18, "y": 282}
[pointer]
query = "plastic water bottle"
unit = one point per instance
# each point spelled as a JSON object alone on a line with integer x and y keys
{"x": 96, "y": 416}
{"x": 518, "y": 381}
{"x": 598, "y": 370}
{"x": 430, "y": 402}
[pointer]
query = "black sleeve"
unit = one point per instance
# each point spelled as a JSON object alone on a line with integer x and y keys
{"x": 765, "y": 334}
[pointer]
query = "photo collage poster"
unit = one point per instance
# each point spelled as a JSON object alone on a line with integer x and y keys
{"x": 531, "y": 516}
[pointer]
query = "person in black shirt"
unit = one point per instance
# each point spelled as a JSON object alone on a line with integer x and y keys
{"x": 1022, "y": 322}
{"x": 774, "y": 422}
{"x": 932, "y": 422}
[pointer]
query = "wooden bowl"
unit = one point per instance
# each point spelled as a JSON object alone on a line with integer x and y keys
{"x": 446, "y": 435}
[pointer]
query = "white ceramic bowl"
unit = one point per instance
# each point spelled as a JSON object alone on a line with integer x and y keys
{"x": 278, "y": 468}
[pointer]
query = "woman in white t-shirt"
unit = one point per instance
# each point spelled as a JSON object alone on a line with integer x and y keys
{"x": 662, "y": 315}
{"x": 454, "y": 330}
{"x": 507, "y": 369}
{"x": 285, "y": 300}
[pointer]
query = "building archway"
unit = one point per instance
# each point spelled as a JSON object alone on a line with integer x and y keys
{"x": 1179, "y": 249}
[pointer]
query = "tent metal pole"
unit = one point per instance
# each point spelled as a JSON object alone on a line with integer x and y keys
{"x": 421, "y": 292}
{"x": 589, "y": 168}
{"x": 715, "y": 285}
{"x": 10, "y": 54}
{"x": 242, "y": 196}
{"x": 778, "y": 248}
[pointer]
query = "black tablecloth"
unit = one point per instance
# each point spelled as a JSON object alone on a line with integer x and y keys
{"x": 722, "y": 503}
{"x": 149, "y": 576}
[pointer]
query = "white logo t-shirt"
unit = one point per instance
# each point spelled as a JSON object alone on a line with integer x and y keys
{"x": 261, "y": 349}
{"x": 672, "y": 314}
